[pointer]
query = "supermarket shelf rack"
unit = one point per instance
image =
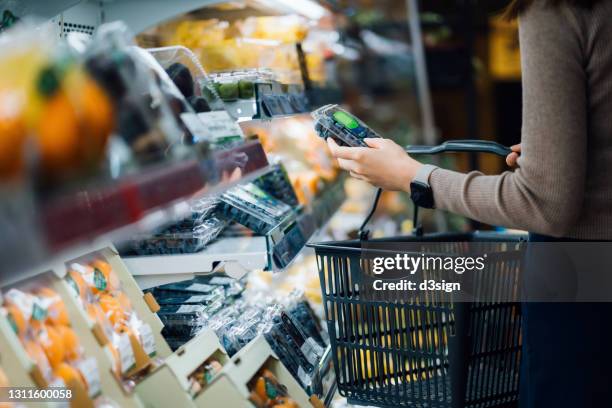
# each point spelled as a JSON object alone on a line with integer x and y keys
{"x": 115, "y": 211}
{"x": 236, "y": 256}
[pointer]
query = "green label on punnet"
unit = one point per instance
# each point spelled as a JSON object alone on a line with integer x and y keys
{"x": 38, "y": 313}
{"x": 346, "y": 120}
{"x": 271, "y": 390}
{"x": 99, "y": 279}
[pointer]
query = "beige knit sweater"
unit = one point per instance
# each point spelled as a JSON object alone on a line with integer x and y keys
{"x": 563, "y": 186}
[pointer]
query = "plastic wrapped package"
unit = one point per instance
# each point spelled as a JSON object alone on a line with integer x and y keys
{"x": 99, "y": 290}
{"x": 187, "y": 237}
{"x": 183, "y": 67}
{"x": 305, "y": 318}
{"x": 203, "y": 207}
{"x": 187, "y": 73}
{"x": 277, "y": 184}
{"x": 186, "y": 287}
{"x": 204, "y": 375}
{"x": 146, "y": 122}
{"x": 267, "y": 391}
{"x": 55, "y": 117}
{"x": 182, "y": 320}
{"x": 38, "y": 316}
{"x": 252, "y": 207}
{"x": 190, "y": 299}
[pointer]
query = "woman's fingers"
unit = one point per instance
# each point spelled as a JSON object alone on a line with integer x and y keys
{"x": 343, "y": 152}
{"x": 349, "y": 165}
{"x": 512, "y": 159}
{"x": 375, "y": 142}
{"x": 357, "y": 176}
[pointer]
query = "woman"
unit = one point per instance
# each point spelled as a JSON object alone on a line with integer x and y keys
{"x": 561, "y": 189}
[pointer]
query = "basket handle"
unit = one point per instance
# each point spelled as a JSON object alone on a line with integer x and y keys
{"x": 476, "y": 146}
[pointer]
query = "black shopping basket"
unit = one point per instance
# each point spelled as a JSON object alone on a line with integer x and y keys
{"x": 420, "y": 350}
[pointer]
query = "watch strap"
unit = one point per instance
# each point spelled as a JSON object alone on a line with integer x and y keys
{"x": 423, "y": 174}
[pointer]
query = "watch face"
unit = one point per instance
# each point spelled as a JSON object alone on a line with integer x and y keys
{"x": 421, "y": 194}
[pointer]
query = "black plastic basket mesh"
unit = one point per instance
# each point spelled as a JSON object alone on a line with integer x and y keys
{"x": 423, "y": 350}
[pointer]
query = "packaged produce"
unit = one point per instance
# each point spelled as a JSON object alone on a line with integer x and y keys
{"x": 267, "y": 391}
{"x": 51, "y": 108}
{"x": 38, "y": 315}
{"x": 252, "y": 207}
{"x": 147, "y": 123}
{"x": 190, "y": 299}
{"x": 333, "y": 121}
{"x": 187, "y": 237}
{"x": 203, "y": 375}
{"x": 100, "y": 291}
{"x": 277, "y": 184}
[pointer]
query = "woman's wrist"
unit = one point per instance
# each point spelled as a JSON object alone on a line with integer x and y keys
{"x": 412, "y": 168}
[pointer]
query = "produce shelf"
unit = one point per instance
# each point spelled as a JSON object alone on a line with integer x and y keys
{"x": 88, "y": 218}
{"x": 236, "y": 256}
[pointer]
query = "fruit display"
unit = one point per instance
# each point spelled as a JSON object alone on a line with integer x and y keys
{"x": 39, "y": 318}
{"x": 268, "y": 392}
{"x": 100, "y": 292}
{"x": 52, "y": 110}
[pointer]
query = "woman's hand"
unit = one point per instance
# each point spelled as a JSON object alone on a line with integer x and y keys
{"x": 512, "y": 158}
{"x": 384, "y": 164}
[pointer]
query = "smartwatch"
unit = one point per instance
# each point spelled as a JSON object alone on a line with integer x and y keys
{"x": 420, "y": 190}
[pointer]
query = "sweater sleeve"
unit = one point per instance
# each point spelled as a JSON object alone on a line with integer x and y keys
{"x": 545, "y": 193}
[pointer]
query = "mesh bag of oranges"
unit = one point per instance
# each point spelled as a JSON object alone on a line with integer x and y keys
{"x": 97, "y": 287}
{"x": 39, "y": 318}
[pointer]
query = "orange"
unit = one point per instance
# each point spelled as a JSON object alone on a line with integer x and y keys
{"x": 260, "y": 388}
{"x": 52, "y": 344}
{"x": 97, "y": 120}
{"x": 72, "y": 346}
{"x": 68, "y": 373}
{"x": 58, "y": 134}
{"x": 112, "y": 308}
{"x": 37, "y": 354}
{"x": 125, "y": 302}
{"x": 56, "y": 309}
{"x": 16, "y": 319}
{"x": 12, "y": 137}
{"x": 112, "y": 281}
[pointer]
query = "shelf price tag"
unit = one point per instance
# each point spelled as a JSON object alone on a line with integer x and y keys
{"x": 220, "y": 125}
{"x": 194, "y": 124}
